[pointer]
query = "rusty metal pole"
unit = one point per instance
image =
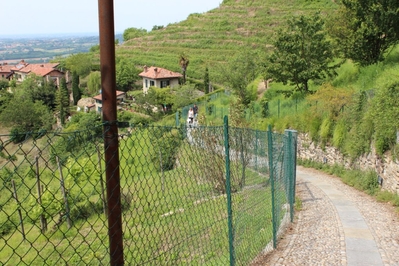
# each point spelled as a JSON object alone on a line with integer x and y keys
{"x": 108, "y": 88}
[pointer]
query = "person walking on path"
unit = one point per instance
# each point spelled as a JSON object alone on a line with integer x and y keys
{"x": 190, "y": 116}
{"x": 338, "y": 225}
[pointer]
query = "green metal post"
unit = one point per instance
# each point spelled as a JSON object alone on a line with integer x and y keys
{"x": 228, "y": 192}
{"x": 271, "y": 176}
{"x": 290, "y": 173}
{"x": 256, "y": 150}
{"x": 177, "y": 119}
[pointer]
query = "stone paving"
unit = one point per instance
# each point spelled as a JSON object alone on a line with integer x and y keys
{"x": 320, "y": 235}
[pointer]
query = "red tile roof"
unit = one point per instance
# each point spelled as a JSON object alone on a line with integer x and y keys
{"x": 100, "y": 97}
{"x": 6, "y": 68}
{"x": 39, "y": 69}
{"x": 159, "y": 73}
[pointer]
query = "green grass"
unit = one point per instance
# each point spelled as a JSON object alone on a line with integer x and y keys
{"x": 169, "y": 217}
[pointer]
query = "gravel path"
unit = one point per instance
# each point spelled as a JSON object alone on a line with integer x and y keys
{"x": 320, "y": 234}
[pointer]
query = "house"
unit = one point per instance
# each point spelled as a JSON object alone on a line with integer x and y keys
{"x": 46, "y": 70}
{"x": 120, "y": 97}
{"x": 6, "y": 71}
{"x": 159, "y": 77}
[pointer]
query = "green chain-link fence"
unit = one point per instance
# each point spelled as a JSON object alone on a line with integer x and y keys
{"x": 189, "y": 196}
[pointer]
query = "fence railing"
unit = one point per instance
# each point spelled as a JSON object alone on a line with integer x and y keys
{"x": 189, "y": 196}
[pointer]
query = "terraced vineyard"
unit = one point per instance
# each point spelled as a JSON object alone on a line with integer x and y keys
{"x": 211, "y": 38}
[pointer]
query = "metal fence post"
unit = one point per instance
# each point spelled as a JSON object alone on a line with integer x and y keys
{"x": 271, "y": 176}
{"x": 228, "y": 191}
{"x": 111, "y": 145}
{"x": 177, "y": 119}
{"x": 291, "y": 168}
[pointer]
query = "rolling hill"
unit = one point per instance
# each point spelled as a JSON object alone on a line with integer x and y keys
{"x": 211, "y": 38}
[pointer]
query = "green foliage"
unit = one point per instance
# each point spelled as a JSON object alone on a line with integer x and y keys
{"x": 5, "y": 98}
{"x": 167, "y": 142}
{"x": 126, "y": 74}
{"x": 62, "y": 100}
{"x": 302, "y": 52}
{"x": 83, "y": 130}
{"x": 79, "y": 63}
{"x": 131, "y": 33}
{"x": 366, "y": 29}
{"x": 25, "y": 115}
{"x": 206, "y": 81}
{"x": 94, "y": 83}
{"x": 339, "y": 134}
{"x": 76, "y": 93}
{"x": 239, "y": 73}
{"x": 385, "y": 114}
{"x": 4, "y": 84}
{"x": 325, "y": 129}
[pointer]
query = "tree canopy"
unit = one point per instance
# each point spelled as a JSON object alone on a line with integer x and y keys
{"x": 126, "y": 74}
{"x": 302, "y": 52}
{"x": 131, "y": 33}
{"x": 364, "y": 30}
{"x": 239, "y": 73}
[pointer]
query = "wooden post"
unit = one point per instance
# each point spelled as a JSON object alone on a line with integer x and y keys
{"x": 19, "y": 209}
{"x": 43, "y": 221}
{"x": 101, "y": 182}
{"x": 64, "y": 194}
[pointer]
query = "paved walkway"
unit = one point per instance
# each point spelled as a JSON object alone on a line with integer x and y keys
{"x": 337, "y": 225}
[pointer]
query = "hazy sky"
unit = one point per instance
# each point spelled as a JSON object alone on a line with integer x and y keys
{"x": 37, "y": 17}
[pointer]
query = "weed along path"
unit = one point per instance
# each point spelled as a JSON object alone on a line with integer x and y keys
{"x": 337, "y": 225}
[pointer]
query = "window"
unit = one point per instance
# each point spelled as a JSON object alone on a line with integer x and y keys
{"x": 146, "y": 83}
{"x": 164, "y": 83}
{"x": 152, "y": 83}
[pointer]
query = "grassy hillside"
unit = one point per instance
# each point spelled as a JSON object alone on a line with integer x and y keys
{"x": 211, "y": 38}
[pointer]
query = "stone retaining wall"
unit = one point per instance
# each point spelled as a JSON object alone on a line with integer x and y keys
{"x": 385, "y": 167}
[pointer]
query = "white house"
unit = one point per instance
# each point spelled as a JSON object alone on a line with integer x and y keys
{"x": 159, "y": 77}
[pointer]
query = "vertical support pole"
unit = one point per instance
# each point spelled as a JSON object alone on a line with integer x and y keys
{"x": 111, "y": 145}
{"x": 256, "y": 150}
{"x": 43, "y": 221}
{"x": 290, "y": 173}
{"x": 242, "y": 159}
{"x": 101, "y": 181}
{"x": 177, "y": 119}
{"x": 64, "y": 194}
{"x": 19, "y": 209}
{"x": 228, "y": 191}
{"x": 271, "y": 176}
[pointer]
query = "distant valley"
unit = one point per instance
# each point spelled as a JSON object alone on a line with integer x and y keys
{"x": 45, "y": 48}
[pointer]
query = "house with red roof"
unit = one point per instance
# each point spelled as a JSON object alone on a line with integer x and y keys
{"x": 6, "y": 71}
{"x": 120, "y": 97}
{"x": 48, "y": 71}
{"x": 159, "y": 77}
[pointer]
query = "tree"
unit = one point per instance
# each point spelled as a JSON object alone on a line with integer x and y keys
{"x": 62, "y": 100}
{"x": 131, "y": 33}
{"x": 183, "y": 62}
{"x": 126, "y": 74}
{"x": 206, "y": 81}
{"x": 26, "y": 115}
{"x": 79, "y": 63}
{"x": 75, "y": 88}
{"x": 4, "y": 84}
{"x": 364, "y": 30}
{"x": 240, "y": 72}
{"x": 38, "y": 89}
{"x": 302, "y": 52}
{"x": 94, "y": 83}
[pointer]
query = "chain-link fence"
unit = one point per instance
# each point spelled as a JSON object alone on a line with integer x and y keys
{"x": 189, "y": 196}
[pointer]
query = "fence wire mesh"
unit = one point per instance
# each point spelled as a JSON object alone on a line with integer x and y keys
{"x": 173, "y": 194}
